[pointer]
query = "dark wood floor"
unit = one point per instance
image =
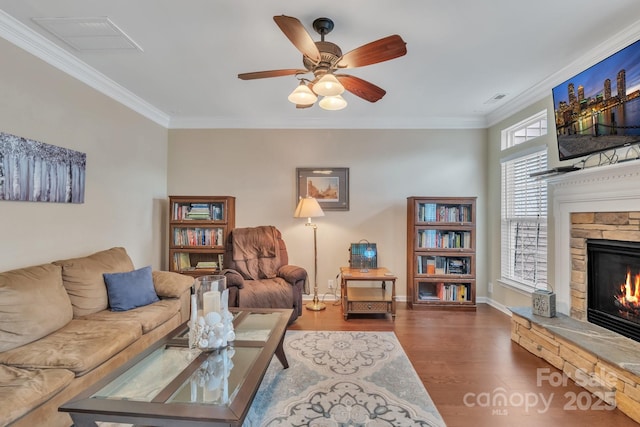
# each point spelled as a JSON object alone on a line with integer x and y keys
{"x": 467, "y": 359}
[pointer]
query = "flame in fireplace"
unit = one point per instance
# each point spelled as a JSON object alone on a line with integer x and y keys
{"x": 629, "y": 296}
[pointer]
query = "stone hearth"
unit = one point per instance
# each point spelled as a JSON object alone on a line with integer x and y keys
{"x": 603, "y": 362}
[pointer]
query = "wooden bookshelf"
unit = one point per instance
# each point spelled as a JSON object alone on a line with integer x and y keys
{"x": 441, "y": 252}
{"x": 198, "y": 229}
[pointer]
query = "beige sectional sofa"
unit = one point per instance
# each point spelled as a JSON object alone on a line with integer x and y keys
{"x": 59, "y": 333}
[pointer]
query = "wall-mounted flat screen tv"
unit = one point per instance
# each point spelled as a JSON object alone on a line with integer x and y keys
{"x": 599, "y": 109}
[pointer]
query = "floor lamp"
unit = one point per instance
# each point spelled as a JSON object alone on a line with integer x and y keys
{"x": 308, "y": 207}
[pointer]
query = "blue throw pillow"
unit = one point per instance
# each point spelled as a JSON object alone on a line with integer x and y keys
{"x": 130, "y": 290}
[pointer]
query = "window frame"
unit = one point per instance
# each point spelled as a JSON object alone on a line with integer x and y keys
{"x": 518, "y": 144}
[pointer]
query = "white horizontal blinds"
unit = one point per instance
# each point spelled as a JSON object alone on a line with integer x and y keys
{"x": 524, "y": 220}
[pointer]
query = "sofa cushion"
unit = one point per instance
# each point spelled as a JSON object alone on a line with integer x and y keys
{"x": 82, "y": 277}
{"x": 79, "y": 346}
{"x": 149, "y": 317}
{"x": 171, "y": 285}
{"x": 22, "y": 390}
{"x": 33, "y": 303}
{"x": 131, "y": 289}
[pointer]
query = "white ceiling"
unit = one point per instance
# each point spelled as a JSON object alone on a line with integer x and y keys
{"x": 460, "y": 54}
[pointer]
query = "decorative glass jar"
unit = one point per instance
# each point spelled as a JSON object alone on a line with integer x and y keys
{"x": 211, "y": 325}
{"x": 210, "y": 383}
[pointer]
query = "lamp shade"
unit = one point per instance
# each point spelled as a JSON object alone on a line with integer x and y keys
{"x": 333, "y": 103}
{"x": 302, "y": 95}
{"x": 308, "y": 207}
{"x": 328, "y": 85}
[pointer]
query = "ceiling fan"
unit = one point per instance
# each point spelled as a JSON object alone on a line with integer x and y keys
{"x": 324, "y": 59}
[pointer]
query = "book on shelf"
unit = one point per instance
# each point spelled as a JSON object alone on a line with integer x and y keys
{"x": 198, "y": 236}
{"x": 457, "y": 266}
{"x": 444, "y": 239}
{"x": 462, "y": 289}
{"x": 207, "y": 264}
{"x": 452, "y": 213}
{"x": 427, "y": 212}
{"x": 441, "y": 291}
{"x": 216, "y": 211}
{"x": 200, "y": 211}
{"x": 431, "y": 265}
{"x": 427, "y": 296}
{"x": 182, "y": 261}
{"x": 442, "y": 265}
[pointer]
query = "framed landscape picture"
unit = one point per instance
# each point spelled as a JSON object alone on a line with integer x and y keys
{"x": 329, "y": 186}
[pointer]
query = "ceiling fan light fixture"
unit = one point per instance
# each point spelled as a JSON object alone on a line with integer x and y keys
{"x": 332, "y": 103}
{"x": 328, "y": 85}
{"x": 302, "y": 95}
{"x": 323, "y": 58}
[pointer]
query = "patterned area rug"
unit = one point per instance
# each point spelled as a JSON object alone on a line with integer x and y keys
{"x": 342, "y": 379}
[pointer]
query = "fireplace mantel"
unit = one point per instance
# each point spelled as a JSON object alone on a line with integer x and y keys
{"x": 611, "y": 188}
{"x": 615, "y": 181}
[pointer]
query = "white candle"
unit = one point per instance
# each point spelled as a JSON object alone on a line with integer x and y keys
{"x": 194, "y": 312}
{"x": 194, "y": 391}
{"x": 211, "y": 302}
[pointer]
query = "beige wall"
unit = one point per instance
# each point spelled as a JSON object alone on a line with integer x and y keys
{"x": 385, "y": 166}
{"x": 125, "y": 176}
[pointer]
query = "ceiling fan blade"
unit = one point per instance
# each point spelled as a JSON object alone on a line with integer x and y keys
{"x": 295, "y": 31}
{"x": 362, "y": 88}
{"x": 371, "y": 53}
{"x": 271, "y": 73}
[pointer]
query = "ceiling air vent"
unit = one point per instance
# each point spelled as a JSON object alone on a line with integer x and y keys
{"x": 495, "y": 98}
{"x": 88, "y": 34}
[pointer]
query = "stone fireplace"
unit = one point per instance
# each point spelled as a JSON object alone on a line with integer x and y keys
{"x": 617, "y": 235}
{"x": 596, "y": 203}
{"x": 591, "y": 205}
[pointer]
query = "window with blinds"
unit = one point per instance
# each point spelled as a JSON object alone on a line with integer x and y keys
{"x": 524, "y": 220}
{"x": 524, "y": 205}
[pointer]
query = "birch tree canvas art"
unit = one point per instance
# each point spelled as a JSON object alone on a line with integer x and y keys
{"x": 38, "y": 172}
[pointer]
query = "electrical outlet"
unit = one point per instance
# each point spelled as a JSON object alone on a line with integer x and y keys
{"x": 330, "y": 284}
{"x": 490, "y": 288}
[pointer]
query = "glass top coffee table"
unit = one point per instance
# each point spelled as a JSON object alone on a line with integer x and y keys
{"x": 172, "y": 385}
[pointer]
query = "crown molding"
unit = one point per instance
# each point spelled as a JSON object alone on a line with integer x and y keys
{"x": 29, "y": 40}
{"x": 32, "y": 42}
{"x": 543, "y": 89}
{"x": 473, "y": 122}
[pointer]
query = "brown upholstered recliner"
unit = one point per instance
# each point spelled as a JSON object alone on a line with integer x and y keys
{"x": 257, "y": 271}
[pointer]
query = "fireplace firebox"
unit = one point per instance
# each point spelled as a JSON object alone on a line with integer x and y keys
{"x": 613, "y": 286}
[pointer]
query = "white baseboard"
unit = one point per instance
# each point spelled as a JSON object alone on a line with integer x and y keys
{"x": 494, "y": 304}
{"x": 403, "y": 298}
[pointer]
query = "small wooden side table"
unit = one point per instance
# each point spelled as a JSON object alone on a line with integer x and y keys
{"x": 359, "y": 299}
